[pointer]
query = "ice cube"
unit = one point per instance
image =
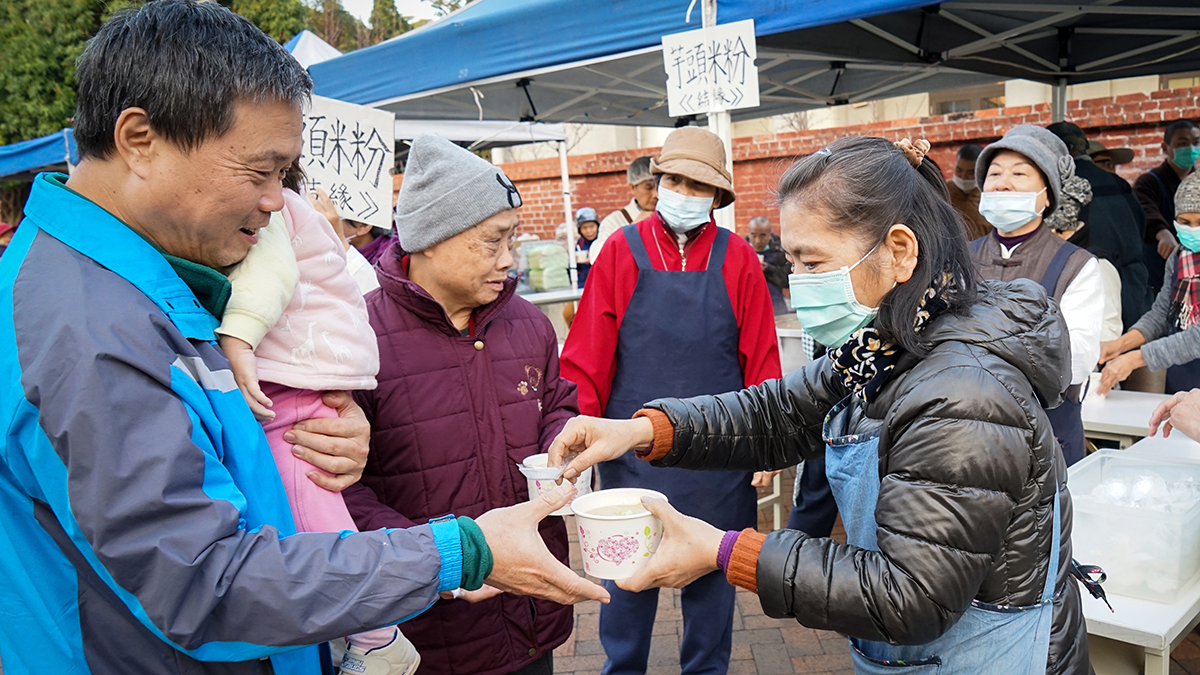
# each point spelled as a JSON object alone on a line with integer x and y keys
{"x": 1112, "y": 491}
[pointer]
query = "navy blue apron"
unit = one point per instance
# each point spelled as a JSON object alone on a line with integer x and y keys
{"x": 1067, "y": 418}
{"x": 987, "y": 639}
{"x": 1183, "y": 377}
{"x": 679, "y": 338}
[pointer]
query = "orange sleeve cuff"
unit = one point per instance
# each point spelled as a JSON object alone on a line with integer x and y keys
{"x": 664, "y": 433}
{"x": 743, "y": 562}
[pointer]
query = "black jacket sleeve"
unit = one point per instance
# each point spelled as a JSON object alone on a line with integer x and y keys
{"x": 949, "y": 481}
{"x": 770, "y": 426}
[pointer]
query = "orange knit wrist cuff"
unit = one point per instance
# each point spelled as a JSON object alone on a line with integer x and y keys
{"x": 743, "y": 562}
{"x": 664, "y": 433}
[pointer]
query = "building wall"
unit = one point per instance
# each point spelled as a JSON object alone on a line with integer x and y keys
{"x": 1134, "y": 120}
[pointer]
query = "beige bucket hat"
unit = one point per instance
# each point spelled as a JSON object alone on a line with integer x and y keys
{"x": 698, "y": 154}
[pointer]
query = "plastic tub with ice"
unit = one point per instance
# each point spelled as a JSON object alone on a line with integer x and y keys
{"x": 1138, "y": 517}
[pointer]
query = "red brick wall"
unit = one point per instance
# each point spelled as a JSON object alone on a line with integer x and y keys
{"x": 1133, "y": 120}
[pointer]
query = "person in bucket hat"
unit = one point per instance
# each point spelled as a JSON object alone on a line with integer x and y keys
{"x": 674, "y": 306}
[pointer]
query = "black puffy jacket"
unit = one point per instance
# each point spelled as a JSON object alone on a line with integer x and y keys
{"x": 968, "y": 466}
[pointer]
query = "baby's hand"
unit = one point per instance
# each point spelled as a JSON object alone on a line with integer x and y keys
{"x": 245, "y": 373}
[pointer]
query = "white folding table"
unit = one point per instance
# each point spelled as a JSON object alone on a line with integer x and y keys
{"x": 1156, "y": 628}
{"x": 1122, "y": 416}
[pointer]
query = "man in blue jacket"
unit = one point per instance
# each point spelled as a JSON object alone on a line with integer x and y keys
{"x": 143, "y": 526}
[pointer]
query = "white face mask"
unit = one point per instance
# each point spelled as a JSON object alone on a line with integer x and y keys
{"x": 682, "y": 213}
{"x": 1009, "y": 211}
{"x": 964, "y": 184}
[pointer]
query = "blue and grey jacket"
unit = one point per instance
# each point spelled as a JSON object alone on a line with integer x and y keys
{"x": 143, "y": 524}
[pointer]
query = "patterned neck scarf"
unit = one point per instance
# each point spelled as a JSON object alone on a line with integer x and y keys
{"x": 865, "y": 361}
{"x": 1185, "y": 298}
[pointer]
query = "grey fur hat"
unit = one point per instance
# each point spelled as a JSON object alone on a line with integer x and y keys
{"x": 1043, "y": 148}
{"x": 447, "y": 190}
{"x": 1077, "y": 193}
{"x": 1187, "y": 196}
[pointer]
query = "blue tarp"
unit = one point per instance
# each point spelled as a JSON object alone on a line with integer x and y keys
{"x": 500, "y": 37}
{"x": 30, "y": 156}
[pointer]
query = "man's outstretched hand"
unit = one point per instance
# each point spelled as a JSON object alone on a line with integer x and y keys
{"x": 521, "y": 562}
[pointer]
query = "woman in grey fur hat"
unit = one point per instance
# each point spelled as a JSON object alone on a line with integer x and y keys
{"x": 1022, "y": 178}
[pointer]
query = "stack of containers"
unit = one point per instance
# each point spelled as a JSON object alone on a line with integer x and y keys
{"x": 547, "y": 263}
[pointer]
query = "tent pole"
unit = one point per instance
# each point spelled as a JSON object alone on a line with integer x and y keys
{"x": 568, "y": 215}
{"x": 67, "y": 152}
{"x": 720, "y": 123}
{"x": 1058, "y": 101}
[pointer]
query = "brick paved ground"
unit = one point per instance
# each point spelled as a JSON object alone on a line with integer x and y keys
{"x": 761, "y": 645}
{"x": 1185, "y": 660}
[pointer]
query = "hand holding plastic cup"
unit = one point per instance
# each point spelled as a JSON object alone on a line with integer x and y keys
{"x": 542, "y": 479}
{"x": 617, "y": 535}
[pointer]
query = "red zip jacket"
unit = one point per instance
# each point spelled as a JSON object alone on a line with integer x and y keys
{"x": 589, "y": 355}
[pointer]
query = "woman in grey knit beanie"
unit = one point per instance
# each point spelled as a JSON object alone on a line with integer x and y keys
{"x": 1167, "y": 336}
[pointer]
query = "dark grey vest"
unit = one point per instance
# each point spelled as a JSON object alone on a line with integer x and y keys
{"x": 1029, "y": 261}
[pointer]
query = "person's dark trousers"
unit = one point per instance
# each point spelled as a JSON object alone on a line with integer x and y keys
{"x": 815, "y": 510}
{"x": 1156, "y": 265}
{"x": 707, "y": 640}
{"x": 544, "y": 665}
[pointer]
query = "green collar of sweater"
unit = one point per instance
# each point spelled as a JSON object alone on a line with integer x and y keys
{"x": 212, "y": 289}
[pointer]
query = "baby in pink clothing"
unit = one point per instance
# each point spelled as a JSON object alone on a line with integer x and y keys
{"x": 296, "y": 327}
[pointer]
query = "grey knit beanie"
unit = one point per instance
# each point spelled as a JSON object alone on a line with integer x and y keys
{"x": 447, "y": 190}
{"x": 1187, "y": 196}
{"x": 1043, "y": 148}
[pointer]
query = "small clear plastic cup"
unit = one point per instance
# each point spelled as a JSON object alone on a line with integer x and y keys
{"x": 541, "y": 479}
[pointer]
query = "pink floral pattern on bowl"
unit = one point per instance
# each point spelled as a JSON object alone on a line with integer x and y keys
{"x": 620, "y": 548}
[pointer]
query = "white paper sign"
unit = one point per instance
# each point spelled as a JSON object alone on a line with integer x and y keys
{"x": 349, "y": 151}
{"x": 711, "y": 69}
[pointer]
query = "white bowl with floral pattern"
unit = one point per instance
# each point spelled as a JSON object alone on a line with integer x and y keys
{"x": 617, "y": 535}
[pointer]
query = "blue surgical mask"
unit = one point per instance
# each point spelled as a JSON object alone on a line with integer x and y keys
{"x": 1009, "y": 211}
{"x": 681, "y": 212}
{"x": 826, "y": 306}
{"x": 1185, "y": 158}
{"x": 1189, "y": 237}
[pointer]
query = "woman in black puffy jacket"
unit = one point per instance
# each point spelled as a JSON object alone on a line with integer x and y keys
{"x": 929, "y": 412}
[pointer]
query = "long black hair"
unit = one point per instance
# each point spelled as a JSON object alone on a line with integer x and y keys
{"x": 863, "y": 186}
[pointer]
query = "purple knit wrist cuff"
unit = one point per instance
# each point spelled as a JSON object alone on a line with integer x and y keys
{"x": 726, "y": 549}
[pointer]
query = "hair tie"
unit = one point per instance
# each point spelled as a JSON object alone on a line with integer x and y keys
{"x": 914, "y": 151}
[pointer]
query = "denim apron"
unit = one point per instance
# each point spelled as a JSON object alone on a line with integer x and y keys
{"x": 987, "y": 639}
{"x": 678, "y": 338}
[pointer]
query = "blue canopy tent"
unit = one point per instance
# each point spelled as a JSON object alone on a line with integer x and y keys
{"x": 601, "y": 62}
{"x": 22, "y": 161}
